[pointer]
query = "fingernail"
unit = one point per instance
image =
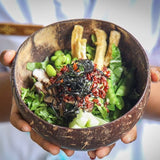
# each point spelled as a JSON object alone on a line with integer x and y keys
{"x": 25, "y": 129}
{"x": 130, "y": 139}
{"x": 69, "y": 153}
{"x": 54, "y": 151}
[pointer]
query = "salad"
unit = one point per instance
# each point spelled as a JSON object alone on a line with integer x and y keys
{"x": 86, "y": 86}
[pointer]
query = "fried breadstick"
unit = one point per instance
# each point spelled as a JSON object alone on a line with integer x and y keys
{"x": 78, "y": 45}
{"x": 83, "y": 43}
{"x": 101, "y": 48}
{"x": 113, "y": 39}
{"x": 80, "y": 48}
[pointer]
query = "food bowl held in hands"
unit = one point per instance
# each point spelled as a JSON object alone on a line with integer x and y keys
{"x": 57, "y": 36}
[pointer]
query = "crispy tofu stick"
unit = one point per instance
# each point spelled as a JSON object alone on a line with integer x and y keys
{"x": 83, "y": 43}
{"x": 80, "y": 48}
{"x": 101, "y": 48}
{"x": 78, "y": 45}
{"x": 113, "y": 39}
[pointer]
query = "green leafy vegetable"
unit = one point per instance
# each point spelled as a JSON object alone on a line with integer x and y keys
{"x": 113, "y": 98}
{"x": 127, "y": 83}
{"x": 36, "y": 104}
{"x": 90, "y": 52}
{"x": 93, "y": 38}
{"x": 116, "y": 65}
{"x": 37, "y": 65}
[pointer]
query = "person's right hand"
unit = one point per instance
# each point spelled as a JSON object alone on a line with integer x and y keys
{"x": 6, "y": 58}
{"x": 153, "y": 110}
{"x": 155, "y": 74}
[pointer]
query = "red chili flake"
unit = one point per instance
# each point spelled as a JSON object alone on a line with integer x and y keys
{"x": 102, "y": 93}
{"x": 98, "y": 79}
{"x": 61, "y": 81}
{"x": 53, "y": 79}
{"x": 101, "y": 87}
{"x": 75, "y": 67}
{"x": 95, "y": 100}
{"x": 95, "y": 79}
{"x": 68, "y": 98}
{"x": 95, "y": 67}
{"x": 89, "y": 104}
{"x": 88, "y": 76}
{"x": 65, "y": 98}
{"x": 106, "y": 88}
{"x": 64, "y": 69}
{"x": 107, "y": 73}
{"x": 92, "y": 74}
{"x": 87, "y": 98}
{"x": 95, "y": 92}
{"x": 78, "y": 98}
{"x": 104, "y": 81}
{"x": 94, "y": 85}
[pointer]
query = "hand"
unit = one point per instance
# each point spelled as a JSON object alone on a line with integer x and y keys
{"x": 6, "y": 58}
{"x": 152, "y": 110}
{"x": 155, "y": 74}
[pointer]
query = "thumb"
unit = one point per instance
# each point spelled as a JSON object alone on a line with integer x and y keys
{"x": 7, "y": 56}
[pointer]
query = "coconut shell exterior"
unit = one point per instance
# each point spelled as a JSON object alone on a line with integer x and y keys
{"x": 58, "y": 36}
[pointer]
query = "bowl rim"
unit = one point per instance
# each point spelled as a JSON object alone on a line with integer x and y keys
{"x": 18, "y": 97}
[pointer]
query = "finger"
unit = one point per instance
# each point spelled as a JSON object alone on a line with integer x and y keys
{"x": 49, "y": 147}
{"x": 104, "y": 151}
{"x": 68, "y": 152}
{"x": 101, "y": 152}
{"x": 17, "y": 120}
{"x": 155, "y": 74}
{"x": 7, "y": 56}
{"x": 92, "y": 154}
{"x": 130, "y": 136}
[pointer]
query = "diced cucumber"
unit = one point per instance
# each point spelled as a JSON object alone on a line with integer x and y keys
{"x": 86, "y": 119}
{"x": 92, "y": 120}
{"x": 82, "y": 121}
{"x": 101, "y": 121}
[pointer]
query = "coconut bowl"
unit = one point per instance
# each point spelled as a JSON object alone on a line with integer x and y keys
{"x": 58, "y": 36}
